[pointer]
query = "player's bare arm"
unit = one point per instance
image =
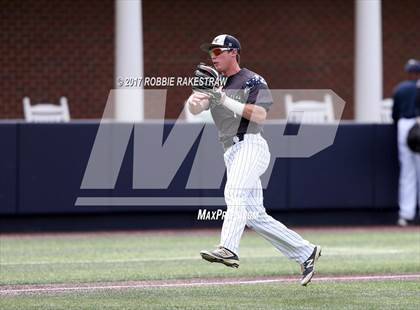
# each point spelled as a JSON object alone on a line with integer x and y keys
{"x": 254, "y": 113}
{"x": 197, "y": 103}
{"x": 249, "y": 111}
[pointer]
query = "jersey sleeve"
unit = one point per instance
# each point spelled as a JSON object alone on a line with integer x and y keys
{"x": 258, "y": 92}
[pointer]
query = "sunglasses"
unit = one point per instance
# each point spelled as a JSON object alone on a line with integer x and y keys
{"x": 217, "y": 51}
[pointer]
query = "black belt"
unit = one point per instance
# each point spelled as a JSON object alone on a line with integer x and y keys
{"x": 233, "y": 140}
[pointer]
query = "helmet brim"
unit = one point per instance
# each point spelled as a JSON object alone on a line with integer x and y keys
{"x": 206, "y": 47}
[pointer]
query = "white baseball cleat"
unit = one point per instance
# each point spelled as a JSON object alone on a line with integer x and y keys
{"x": 308, "y": 267}
{"x": 221, "y": 255}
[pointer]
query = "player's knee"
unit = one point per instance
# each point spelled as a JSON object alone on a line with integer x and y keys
{"x": 234, "y": 196}
{"x": 250, "y": 224}
{"x": 233, "y": 202}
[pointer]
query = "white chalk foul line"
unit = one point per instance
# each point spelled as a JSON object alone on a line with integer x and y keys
{"x": 210, "y": 283}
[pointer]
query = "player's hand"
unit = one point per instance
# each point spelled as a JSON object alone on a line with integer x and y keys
{"x": 217, "y": 97}
{"x": 198, "y": 102}
{"x": 208, "y": 82}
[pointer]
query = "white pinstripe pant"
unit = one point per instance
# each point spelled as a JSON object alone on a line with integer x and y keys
{"x": 246, "y": 161}
{"x": 409, "y": 180}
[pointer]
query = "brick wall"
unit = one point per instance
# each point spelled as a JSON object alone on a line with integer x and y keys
{"x": 54, "y": 48}
{"x": 401, "y": 39}
{"x": 293, "y": 44}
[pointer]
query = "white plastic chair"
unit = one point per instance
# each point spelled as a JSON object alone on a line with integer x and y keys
{"x": 46, "y": 112}
{"x": 386, "y": 110}
{"x": 309, "y": 111}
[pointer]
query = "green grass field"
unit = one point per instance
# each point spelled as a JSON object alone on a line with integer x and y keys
{"x": 77, "y": 258}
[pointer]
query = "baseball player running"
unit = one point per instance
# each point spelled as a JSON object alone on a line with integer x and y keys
{"x": 239, "y": 108}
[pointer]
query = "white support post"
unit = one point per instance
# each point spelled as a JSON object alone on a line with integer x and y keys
{"x": 368, "y": 64}
{"x": 128, "y": 60}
